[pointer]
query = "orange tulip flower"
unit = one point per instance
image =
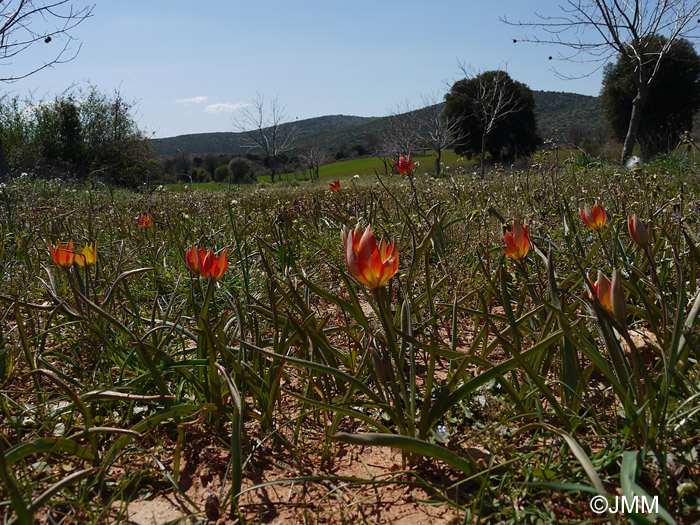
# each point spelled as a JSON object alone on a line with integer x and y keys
{"x": 207, "y": 264}
{"x": 335, "y": 185}
{"x": 638, "y": 231}
{"x": 405, "y": 166}
{"x": 602, "y": 291}
{"x": 370, "y": 264}
{"x": 594, "y": 218}
{"x": 64, "y": 256}
{"x": 87, "y": 256}
{"x": 517, "y": 241}
{"x": 146, "y": 221}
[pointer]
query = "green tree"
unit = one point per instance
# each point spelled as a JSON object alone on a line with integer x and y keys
{"x": 117, "y": 148}
{"x": 57, "y": 131}
{"x": 17, "y": 148}
{"x": 75, "y": 135}
{"x": 494, "y": 114}
{"x": 221, "y": 173}
{"x": 70, "y": 136}
{"x": 240, "y": 170}
{"x": 672, "y": 100}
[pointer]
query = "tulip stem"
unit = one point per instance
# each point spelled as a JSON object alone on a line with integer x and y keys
{"x": 634, "y": 356}
{"x": 399, "y": 392}
{"x": 605, "y": 248}
{"x": 415, "y": 199}
{"x": 531, "y": 287}
{"x": 78, "y": 302}
{"x": 657, "y": 284}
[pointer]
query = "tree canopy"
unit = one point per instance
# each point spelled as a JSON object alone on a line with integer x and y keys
{"x": 672, "y": 101}
{"x": 75, "y": 135}
{"x": 495, "y": 114}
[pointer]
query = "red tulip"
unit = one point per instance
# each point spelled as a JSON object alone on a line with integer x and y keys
{"x": 64, "y": 256}
{"x": 370, "y": 264}
{"x": 405, "y": 166}
{"x": 594, "y": 218}
{"x": 146, "y": 221}
{"x": 638, "y": 231}
{"x": 207, "y": 264}
{"x": 517, "y": 242}
{"x": 602, "y": 291}
{"x": 335, "y": 185}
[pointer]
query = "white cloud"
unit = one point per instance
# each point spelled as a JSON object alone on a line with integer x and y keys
{"x": 224, "y": 107}
{"x": 193, "y": 100}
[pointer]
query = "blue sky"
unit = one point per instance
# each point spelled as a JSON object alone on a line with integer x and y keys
{"x": 189, "y": 68}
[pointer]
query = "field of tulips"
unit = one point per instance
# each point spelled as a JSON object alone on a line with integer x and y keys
{"x": 393, "y": 349}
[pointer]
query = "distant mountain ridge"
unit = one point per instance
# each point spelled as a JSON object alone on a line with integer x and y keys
{"x": 553, "y": 110}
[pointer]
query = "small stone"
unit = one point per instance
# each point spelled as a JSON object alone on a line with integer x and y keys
{"x": 212, "y": 508}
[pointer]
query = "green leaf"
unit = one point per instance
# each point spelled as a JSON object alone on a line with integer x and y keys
{"x": 412, "y": 445}
{"x": 631, "y": 490}
{"x": 47, "y": 445}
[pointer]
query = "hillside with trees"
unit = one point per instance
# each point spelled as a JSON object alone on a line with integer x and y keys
{"x": 234, "y": 143}
{"x": 570, "y": 114}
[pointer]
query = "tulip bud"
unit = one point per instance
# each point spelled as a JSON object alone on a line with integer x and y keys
{"x": 378, "y": 363}
{"x": 617, "y": 298}
{"x": 517, "y": 241}
{"x": 638, "y": 231}
{"x": 602, "y": 291}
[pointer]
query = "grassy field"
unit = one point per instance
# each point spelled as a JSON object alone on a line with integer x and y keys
{"x": 469, "y": 372}
{"x": 452, "y": 164}
{"x": 368, "y": 166}
{"x": 346, "y": 169}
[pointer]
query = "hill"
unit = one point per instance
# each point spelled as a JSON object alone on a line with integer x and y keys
{"x": 573, "y": 116}
{"x": 235, "y": 143}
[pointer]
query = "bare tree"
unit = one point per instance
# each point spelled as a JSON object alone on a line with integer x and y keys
{"x": 596, "y": 30}
{"x": 263, "y": 124}
{"x": 490, "y": 98}
{"x": 575, "y": 134}
{"x": 25, "y": 23}
{"x": 435, "y": 129}
{"x": 375, "y": 143}
{"x": 401, "y": 137}
{"x": 314, "y": 155}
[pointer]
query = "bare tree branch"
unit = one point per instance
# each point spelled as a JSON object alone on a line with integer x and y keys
{"x": 402, "y": 135}
{"x": 435, "y": 129}
{"x": 263, "y": 124}
{"x": 596, "y": 30}
{"x": 25, "y": 24}
{"x": 314, "y": 155}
